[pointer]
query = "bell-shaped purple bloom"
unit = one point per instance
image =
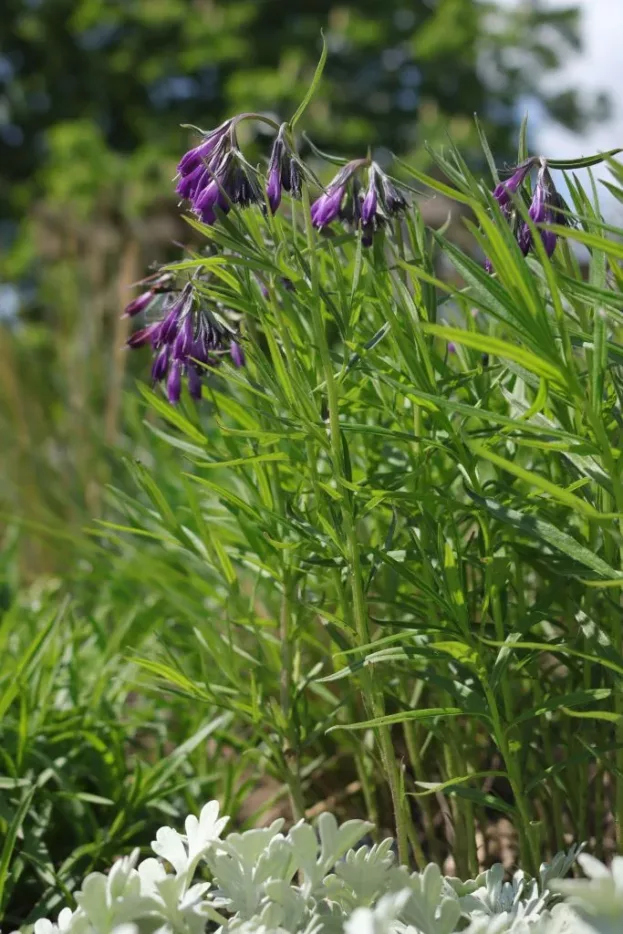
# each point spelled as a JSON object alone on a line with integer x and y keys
{"x": 212, "y": 196}
{"x": 184, "y": 339}
{"x": 201, "y": 153}
{"x": 284, "y": 172}
{"x": 190, "y": 185}
{"x": 393, "y": 200}
{"x": 138, "y": 304}
{"x": 542, "y": 211}
{"x": 161, "y": 364}
{"x": 141, "y": 337}
{"x": 237, "y": 354}
{"x": 273, "y": 189}
{"x": 327, "y": 207}
{"x": 174, "y": 383}
{"x": 274, "y": 183}
{"x": 370, "y": 202}
{"x": 188, "y": 338}
{"x": 504, "y": 191}
{"x": 168, "y": 327}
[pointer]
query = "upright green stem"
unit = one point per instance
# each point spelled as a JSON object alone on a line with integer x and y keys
{"x": 373, "y": 698}
{"x": 290, "y": 750}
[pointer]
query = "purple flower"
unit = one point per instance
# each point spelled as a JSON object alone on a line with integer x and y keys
{"x": 212, "y": 196}
{"x": 190, "y": 185}
{"x": 237, "y": 354}
{"x": 370, "y": 202}
{"x": 187, "y": 337}
{"x": 343, "y": 199}
{"x": 142, "y": 336}
{"x": 393, "y": 201}
{"x": 273, "y": 185}
{"x": 542, "y": 210}
{"x": 284, "y": 172}
{"x": 200, "y": 154}
{"x": 161, "y": 364}
{"x": 138, "y": 304}
{"x": 504, "y": 191}
{"x": 327, "y": 208}
{"x": 174, "y": 383}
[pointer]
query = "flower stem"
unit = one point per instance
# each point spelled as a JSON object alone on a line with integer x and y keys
{"x": 373, "y": 698}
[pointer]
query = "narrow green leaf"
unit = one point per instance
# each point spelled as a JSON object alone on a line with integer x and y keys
{"x": 433, "y": 787}
{"x": 313, "y": 86}
{"x": 494, "y": 345}
{"x": 402, "y": 717}
{"x": 584, "y": 162}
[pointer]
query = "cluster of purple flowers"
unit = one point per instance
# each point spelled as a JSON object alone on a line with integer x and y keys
{"x": 344, "y": 199}
{"x": 215, "y": 174}
{"x": 547, "y": 205}
{"x": 185, "y": 340}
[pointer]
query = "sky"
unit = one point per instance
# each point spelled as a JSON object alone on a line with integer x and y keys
{"x": 599, "y": 67}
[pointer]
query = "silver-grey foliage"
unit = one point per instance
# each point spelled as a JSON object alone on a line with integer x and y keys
{"x": 312, "y": 880}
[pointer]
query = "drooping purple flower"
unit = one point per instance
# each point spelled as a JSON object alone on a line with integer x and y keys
{"x": 542, "y": 211}
{"x": 504, "y": 191}
{"x": 174, "y": 383}
{"x": 370, "y": 202}
{"x": 168, "y": 327}
{"x": 237, "y": 354}
{"x": 211, "y": 197}
{"x": 190, "y": 185}
{"x": 142, "y": 336}
{"x": 161, "y": 364}
{"x": 273, "y": 184}
{"x": 284, "y": 173}
{"x": 138, "y": 304}
{"x": 393, "y": 200}
{"x": 198, "y": 156}
{"x": 327, "y": 208}
{"x": 368, "y": 213}
{"x": 188, "y": 338}
{"x": 184, "y": 338}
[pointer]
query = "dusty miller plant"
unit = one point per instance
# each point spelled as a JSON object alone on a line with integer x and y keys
{"x": 315, "y": 879}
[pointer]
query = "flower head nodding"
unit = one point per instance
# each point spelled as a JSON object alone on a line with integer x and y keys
{"x": 284, "y": 171}
{"x": 544, "y": 209}
{"x": 156, "y": 285}
{"x": 343, "y": 199}
{"x": 504, "y": 191}
{"x": 202, "y": 154}
{"x": 547, "y": 207}
{"x": 185, "y": 340}
{"x": 215, "y": 174}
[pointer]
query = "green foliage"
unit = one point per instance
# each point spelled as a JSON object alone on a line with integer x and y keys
{"x": 365, "y": 562}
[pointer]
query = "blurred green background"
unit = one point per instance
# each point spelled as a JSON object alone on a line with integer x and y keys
{"x": 92, "y": 96}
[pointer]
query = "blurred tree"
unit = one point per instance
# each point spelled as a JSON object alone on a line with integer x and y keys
{"x": 81, "y": 80}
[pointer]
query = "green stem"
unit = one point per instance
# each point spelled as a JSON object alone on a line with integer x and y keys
{"x": 374, "y": 699}
{"x": 528, "y": 850}
{"x": 290, "y": 745}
